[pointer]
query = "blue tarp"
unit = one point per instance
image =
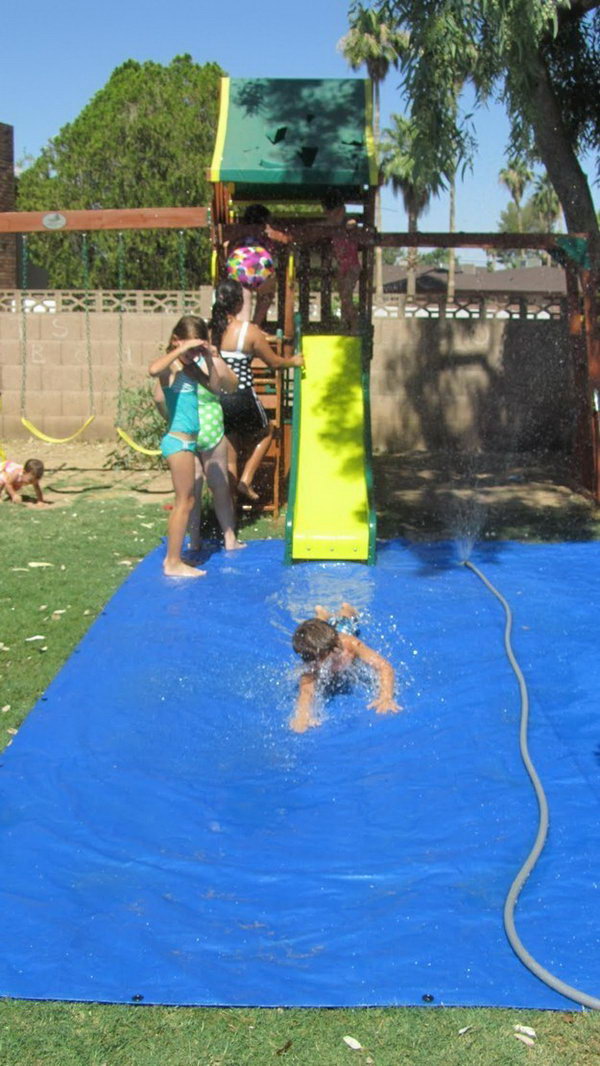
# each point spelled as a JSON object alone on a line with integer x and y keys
{"x": 166, "y": 838}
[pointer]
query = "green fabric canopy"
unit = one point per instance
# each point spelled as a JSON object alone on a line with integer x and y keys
{"x": 305, "y": 134}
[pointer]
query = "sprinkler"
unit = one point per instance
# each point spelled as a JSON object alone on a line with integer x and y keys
{"x": 514, "y": 891}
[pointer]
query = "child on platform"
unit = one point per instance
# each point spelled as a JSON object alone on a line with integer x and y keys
{"x": 346, "y": 255}
{"x": 329, "y": 646}
{"x": 245, "y": 417}
{"x": 181, "y": 379}
{"x": 252, "y": 261}
{"x": 14, "y": 478}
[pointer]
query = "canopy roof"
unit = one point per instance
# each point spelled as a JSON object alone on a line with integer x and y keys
{"x": 305, "y": 134}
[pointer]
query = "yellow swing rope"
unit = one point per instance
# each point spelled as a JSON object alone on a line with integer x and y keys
{"x": 152, "y": 452}
{"x": 35, "y": 432}
{"x": 29, "y": 426}
{"x": 136, "y": 447}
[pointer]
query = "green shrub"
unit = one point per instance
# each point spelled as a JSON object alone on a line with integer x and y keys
{"x": 140, "y": 418}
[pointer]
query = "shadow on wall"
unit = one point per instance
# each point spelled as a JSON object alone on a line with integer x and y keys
{"x": 474, "y": 386}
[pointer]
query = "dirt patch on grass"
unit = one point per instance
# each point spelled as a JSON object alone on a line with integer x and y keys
{"x": 417, "y": 494}
{"x": 491, "y": 495}
{"x": 83, "y": 468}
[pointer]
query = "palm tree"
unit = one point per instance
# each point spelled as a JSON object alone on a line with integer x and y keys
{"x": 516, "y": 177}
{"x": 546, "y": 203}
{"x": 374, "y": 43}
{"x": 398, "y": 165}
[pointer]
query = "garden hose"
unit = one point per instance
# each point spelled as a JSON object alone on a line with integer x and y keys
{"x": 518, "y": 947}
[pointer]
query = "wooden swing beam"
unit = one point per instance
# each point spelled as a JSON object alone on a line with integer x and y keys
{"x": 199, "y": 218}
{"x": 109, "y": 219}
{"x": 366, "y": 238}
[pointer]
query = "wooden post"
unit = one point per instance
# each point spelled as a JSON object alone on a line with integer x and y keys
{"x": 327, "y": 320}
{"x": 366, "y": 283}
{"x": 590, "y": 285}
{"x": 288, "y": 306}
{"x": 582, "y": 451}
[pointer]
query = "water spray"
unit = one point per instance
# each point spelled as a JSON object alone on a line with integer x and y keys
{"x": 510, "y": 902}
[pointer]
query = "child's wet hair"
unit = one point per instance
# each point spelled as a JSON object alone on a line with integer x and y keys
{"x": 35, "y": 467}
{"x": 314, "y": 639}
{"x": 229, "y": 298}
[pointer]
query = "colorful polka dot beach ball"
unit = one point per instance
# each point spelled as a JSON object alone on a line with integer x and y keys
{"x": 250, "y": 265}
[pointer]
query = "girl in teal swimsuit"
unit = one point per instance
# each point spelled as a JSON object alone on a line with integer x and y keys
{"x": 181, "y": 378}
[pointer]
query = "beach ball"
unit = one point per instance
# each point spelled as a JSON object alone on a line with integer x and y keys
{"x": 250, "y": 265}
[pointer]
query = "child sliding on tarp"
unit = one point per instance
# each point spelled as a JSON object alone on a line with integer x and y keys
{"x": 329, "y": 646}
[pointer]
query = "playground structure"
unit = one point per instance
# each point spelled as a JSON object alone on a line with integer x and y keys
{"x": 283, "y": 142}
{"x": 287, "y": 144}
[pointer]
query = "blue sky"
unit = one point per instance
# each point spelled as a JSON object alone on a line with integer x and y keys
{"x": 59, "y": 55}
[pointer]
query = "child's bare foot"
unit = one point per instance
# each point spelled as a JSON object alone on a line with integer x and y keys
{"x": 348, "y": 611}
{"x": 181, "y": 569}
{"x": 322, "y": 613}
{"x": 247, "y": 491}
{"x": 232, "y": 543}
{"x": 300, "y": 725}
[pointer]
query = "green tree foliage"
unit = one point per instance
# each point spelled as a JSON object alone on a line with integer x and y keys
{"x": 529, "y": 215}
{"x": 144, "y": 140}
{"x": 400, "y": 168}
{"x": 541, "y": 58}
{"x": 372, "y": 42}
{"x": 390, "y": 255}
{"x": 437, "y": 257}
{"x": 539, "y": 214}
{"x": 546, "y": 202}
{"x": 516, "y": 177}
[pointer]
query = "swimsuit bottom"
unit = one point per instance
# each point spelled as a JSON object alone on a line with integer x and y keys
{"x": 243, "y": 413}
{"x": 7, "y": 468}
{"x": 171, "y": 444}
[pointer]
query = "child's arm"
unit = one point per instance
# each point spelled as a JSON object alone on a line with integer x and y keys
{"x": 163, "y": 362}
{"x": 39, "y": 495}
{"x": 304, "y": 716}
{"x": 220, "y": 377}
{"x": 263, "y": 351}
{"x": 11, "y": 490}
{"x": 159, "y": 400}
{"x": 277, "y": 234}
{"x": 385, "y": 701}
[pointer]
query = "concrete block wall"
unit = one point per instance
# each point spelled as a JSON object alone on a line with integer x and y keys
{"x": 478, "y": 385}
{"x": 436, "y": 384}
{"x": 57, "y": 398}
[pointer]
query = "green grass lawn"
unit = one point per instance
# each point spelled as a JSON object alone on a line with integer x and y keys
{"x": 90, "y": 547}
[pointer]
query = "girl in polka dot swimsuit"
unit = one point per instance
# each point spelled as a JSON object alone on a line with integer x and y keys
{"x": 244, "y": 415}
